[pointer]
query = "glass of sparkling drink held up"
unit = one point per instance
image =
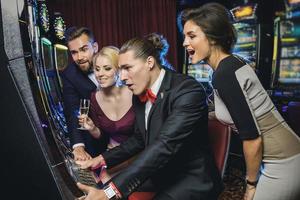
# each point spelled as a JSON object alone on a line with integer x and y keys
{"x": 84, "y": 107}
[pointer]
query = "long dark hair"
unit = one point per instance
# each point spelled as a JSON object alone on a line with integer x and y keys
{"x": 214, "y": 21}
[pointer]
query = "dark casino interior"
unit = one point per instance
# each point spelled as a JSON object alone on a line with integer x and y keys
{"x": 36, "y": 153}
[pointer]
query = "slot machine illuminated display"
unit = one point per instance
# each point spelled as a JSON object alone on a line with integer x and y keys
{"x": 286, "y": 54}
{"x": 60, "y": 50}
{"x": 201, "y": 71}
{"x": 254, "y": 39}
{"x": 50, "y": 83}
{"x": 245, "y": 23}
{"x": 58, "y": 28}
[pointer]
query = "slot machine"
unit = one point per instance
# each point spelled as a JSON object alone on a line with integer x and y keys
{"x": 246, "y": 28}
{"x": 285, "y": 82}
{"x": 60, "y": 49}
{"x": 47, "y": 69}
{"x": 53, "y": 58}
{"x": 60, "y": 53}
{"x": 286, "y": 54}
{"x": 202, "y": 72}
{"x": 38, "y": 161}
{"x": 254, "y": 39}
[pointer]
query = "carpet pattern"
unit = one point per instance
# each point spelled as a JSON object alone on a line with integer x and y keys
{"x": 234, "y": 185}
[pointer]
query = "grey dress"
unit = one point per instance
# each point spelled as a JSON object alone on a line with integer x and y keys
{"x": 242, "y": 102}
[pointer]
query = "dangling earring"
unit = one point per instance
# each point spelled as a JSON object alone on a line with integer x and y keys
{"x": 118, "y": 80}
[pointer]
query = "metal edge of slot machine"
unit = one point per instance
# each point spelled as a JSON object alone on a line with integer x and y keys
{"x": 35, "y": 166}
{"x": 264, "y": 44}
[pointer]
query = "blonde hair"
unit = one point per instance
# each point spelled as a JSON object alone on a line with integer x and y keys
{"x": 110, "y": 52}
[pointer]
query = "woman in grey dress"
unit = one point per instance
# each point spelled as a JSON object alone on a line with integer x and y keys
{"x": 271, "y": 148}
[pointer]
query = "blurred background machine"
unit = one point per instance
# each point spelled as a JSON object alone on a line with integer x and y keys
{"x": 285, "y": 82}
{"x": 286, "y": 53}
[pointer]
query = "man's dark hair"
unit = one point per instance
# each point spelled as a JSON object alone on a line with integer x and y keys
{"x": 153, "y": 44}
{"x": 74, "y": 32}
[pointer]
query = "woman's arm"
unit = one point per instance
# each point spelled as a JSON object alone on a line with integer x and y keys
{"x": 95, "y": 132}
{"x": 89, "y": 125}
{"x": 253, "y": 157}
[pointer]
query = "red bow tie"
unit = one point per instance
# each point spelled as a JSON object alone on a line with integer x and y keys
{"x": 148, "y": 95}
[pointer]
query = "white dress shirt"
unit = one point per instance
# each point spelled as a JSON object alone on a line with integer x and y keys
{"x": 154, "y": 88}
{"x": 92, "y": 77}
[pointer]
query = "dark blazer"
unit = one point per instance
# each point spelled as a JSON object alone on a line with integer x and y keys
{"x": 77, "y": 85}
{"x": 174, "y": 151}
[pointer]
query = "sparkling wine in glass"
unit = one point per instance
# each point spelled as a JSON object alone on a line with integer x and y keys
{"x": 84, "y": 107}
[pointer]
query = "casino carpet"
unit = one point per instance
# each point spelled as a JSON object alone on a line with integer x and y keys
{"x": 233, "y": 185}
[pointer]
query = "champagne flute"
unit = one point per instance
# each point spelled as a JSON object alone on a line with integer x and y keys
{"x": 84, "y": 107}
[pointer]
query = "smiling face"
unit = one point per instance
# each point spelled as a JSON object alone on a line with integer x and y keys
{"x": 82, "y": 51}
{"x": 105, "y": 72}
{"x": 196, "y": 42}
{"x": 135, "y": 72}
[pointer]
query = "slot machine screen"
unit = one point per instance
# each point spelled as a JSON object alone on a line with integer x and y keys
{"x": 53, "y": 87}
{"x": 293, "y": 2}
{"x": 289, "y": 31}
{"x": 243, "y": 12}
{"x": 246, "y": 42}
{"x": 201, "y": 71}
{"x": 47, "y": 54}
{"x": 61, "y": 56}
{"x": 289, "y": 70}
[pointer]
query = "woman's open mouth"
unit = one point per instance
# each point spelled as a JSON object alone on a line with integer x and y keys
{"x": 191, "y": 52}
{"x": 129, "y": 86}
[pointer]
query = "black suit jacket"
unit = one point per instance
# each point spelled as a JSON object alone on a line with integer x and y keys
{"x": 174, "y": 151}
{"x": 77, "y": 85}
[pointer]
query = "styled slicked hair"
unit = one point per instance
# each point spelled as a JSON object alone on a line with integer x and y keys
{"x": 154, "y": 45}
{"x": 75, "y": 32}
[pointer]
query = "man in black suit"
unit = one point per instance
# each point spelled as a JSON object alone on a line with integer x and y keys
{"x": 170, "y": 140}
{"x": 78, "y": 83}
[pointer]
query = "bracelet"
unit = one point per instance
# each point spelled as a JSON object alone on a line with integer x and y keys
{"x": 109, "y": 192}
{"x": 118, "y": 194}
{"x": 100, "y": 165}
{"x": 252, "y": 183}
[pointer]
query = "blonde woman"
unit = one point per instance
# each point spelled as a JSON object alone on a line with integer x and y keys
{"x": 111, "y": 113}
